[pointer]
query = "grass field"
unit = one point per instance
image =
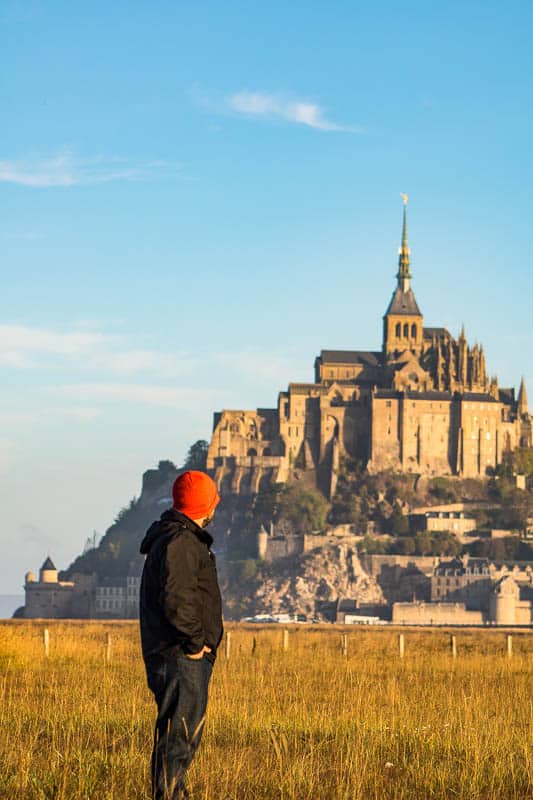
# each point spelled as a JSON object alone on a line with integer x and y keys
{"x": 309, "y": 723}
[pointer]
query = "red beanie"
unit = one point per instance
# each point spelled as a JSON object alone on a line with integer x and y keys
{"x": 194, "y": 494}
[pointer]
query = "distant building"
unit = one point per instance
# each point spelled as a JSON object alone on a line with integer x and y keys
{"x": 84, "y": 597}
{"x": 424, "y": 403}
{"x": 474, "y": 591}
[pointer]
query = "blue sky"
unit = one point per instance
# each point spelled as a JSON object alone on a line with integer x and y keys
{"x": 198, "y": 197}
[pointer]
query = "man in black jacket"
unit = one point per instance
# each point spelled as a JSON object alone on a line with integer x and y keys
{"x": 181, "y": 627}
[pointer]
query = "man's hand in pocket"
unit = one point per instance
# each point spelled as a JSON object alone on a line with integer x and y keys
{"x": 200, "y": 654}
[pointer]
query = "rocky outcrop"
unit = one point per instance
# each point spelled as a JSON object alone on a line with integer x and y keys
{"x": 324, "y": 575}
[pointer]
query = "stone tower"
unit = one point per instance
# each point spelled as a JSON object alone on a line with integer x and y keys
{"x": 403, "y": 321}
{"x": 48, "y": 572}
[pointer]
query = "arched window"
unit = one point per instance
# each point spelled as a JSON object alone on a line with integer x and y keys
{"x": 413, "y": 331}
{"x": 406, "y": 329}
{"x": 398, "y": 330}
{"x": 267, "y": 451}
{"x": 252, "y": 451}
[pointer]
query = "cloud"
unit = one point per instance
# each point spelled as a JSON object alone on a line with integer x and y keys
{"x": 272, "y": 106}
{"x": 162, "y": 396}
{"x": 24, "y": 347}
{"x": 66, "y": 169}
{"x": 257, "y": 365}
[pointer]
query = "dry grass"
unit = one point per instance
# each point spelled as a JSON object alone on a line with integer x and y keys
{"x": 304, "y": 724}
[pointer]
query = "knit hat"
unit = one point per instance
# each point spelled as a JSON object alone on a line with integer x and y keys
{"x": 194, "y": 494}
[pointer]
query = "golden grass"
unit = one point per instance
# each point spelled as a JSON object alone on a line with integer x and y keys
{"x": 307, "y": 724}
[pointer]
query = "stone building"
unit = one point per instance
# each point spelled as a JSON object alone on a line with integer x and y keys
{"x": 49, "y": 598}
{"x": 83, "y": 597}
{"x": 474, "y": 591}
{"x": 424, "y": 403}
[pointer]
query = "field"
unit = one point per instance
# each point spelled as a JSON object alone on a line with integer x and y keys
{"x": 308, "y": 723}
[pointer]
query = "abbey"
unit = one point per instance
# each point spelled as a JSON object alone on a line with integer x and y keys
{"x": 423, "y": 404}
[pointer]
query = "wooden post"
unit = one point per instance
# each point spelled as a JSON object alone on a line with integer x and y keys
{"x": 285, "y": 639}
{"x": 228, "y": 645}
{"x": 509, "y": 645}
{"x": 401, "y": 645}
{"x": 453, "y": 646}
{"x": 108, "y": 648}
{"x": 344, "y": 644}
{"x": 46, "y": 641}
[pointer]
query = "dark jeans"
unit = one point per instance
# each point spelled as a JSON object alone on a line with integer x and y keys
{"x": 180, "y": 687}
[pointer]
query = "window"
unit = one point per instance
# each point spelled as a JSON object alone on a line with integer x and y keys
{"x": 413, "y": 332}
{"x": 398, "y": 330}
{"x": 406, "y": 330}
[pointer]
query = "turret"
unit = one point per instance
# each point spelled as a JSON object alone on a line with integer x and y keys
{"x": 403, "y": 322}
{"x": 48, "y": 572}
{"x": 522, "y": 399}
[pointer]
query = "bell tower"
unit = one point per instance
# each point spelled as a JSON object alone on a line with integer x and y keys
{"x": 403, "y": 322}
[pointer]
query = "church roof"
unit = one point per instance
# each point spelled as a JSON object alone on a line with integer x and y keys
{"x": 438, "y": 333}
{"x": 48, "y": 564}
{"x": 403, "y": 303}
{"x": 365, "y": 357}
{"x": 482, "y": 397}
{"x": 507, "y": 395}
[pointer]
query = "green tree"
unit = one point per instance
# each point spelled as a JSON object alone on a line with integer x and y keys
{"x": 197, "y": 455}
{"x": 398, "y": 522}
{"x": 304, "y": 510}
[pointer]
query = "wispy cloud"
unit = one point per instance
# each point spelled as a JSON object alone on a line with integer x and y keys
{"x": 162, "y": 396}
{"x": 25, "y": 347}
{"x": 267, "y": 105}
{"x": 66, "y": 169}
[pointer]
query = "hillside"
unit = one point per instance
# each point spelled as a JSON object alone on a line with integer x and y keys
{"x": 374, "y": 505}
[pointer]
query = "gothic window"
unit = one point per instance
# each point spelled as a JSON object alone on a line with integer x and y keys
{"x": 398, "y": 330}
{"x": 252, "y": 451}
{"x": 413, "y": 331}
{"x": 406, "y": 330}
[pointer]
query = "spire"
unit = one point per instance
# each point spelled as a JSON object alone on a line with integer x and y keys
{"x": 522, "y": 398}
{"x": 404, "y": 272}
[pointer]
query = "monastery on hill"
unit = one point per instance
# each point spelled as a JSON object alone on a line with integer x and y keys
{"x": 424, "y": 404}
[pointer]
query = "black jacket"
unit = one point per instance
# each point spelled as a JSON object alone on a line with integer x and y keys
{"x": 180, "y": 604}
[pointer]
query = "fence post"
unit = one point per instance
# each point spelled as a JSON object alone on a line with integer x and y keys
{"x": 46, "y": 641}
{"x": 228, "y": 645}
{"x": 509, "y": 645}
{"x": 108, "y": 648}
{"x": 285, "y": 639}
{"x": 401, "y": 645}
{"x": 344, "y": 644}
{"x": 453, "y": 645}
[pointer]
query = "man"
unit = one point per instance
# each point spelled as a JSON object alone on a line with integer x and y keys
{"x": 181, "y": 627}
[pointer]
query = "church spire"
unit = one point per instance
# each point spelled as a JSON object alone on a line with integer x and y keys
{"x": 522, "y": 398}
{"x": 404, "y": 272}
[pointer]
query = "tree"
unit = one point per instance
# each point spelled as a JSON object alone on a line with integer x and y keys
{"x": 398, "y": 522}
{"x": 197, "y": 455}
{"x": 442, "y": 489}
{"x": 304, "y": 510}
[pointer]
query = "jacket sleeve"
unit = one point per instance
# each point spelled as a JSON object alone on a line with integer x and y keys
{"x": 181, "y": 592}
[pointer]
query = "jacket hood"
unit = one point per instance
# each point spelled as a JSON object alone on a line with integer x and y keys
{"x": 172, "y": 521}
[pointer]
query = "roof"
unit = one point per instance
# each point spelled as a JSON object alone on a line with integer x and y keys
{"x": 386, "y": 393}
{"x": 482, "y": 397}
{"x": 365, "y": 357}
{"x": 118, "y": 582}
{"x": 403, "y": 303}
{"x": 48, "y": 564}
{"x": 438, "y": 333}
{"x": 506, "y": 395}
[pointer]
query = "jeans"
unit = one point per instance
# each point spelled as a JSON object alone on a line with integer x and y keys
{"x": 180, "y": 686}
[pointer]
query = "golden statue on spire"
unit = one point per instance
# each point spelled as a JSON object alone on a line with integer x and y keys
{"x": 405, "y": 198}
